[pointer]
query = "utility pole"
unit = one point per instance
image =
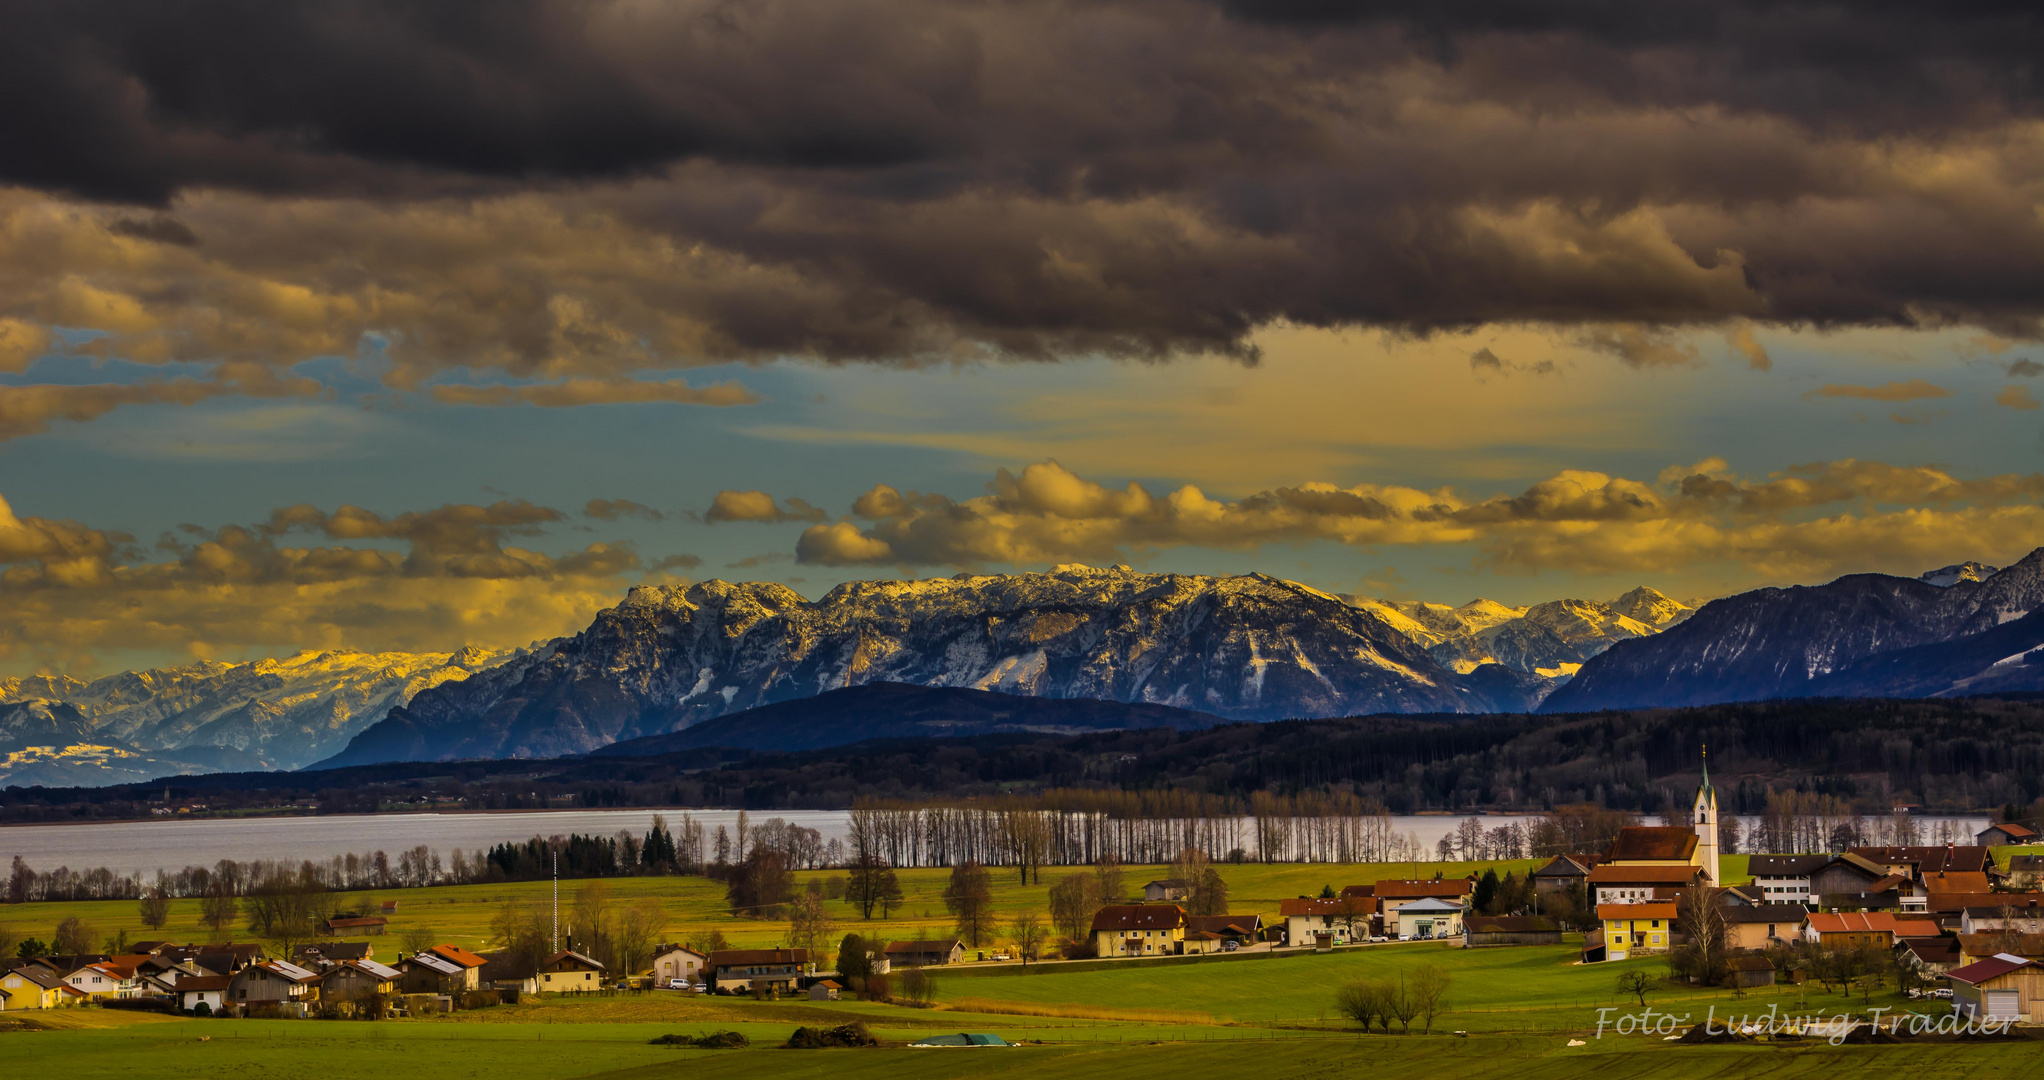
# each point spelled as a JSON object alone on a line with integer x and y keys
{"x": 557, "y": 901}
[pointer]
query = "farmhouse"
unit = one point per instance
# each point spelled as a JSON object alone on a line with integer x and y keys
{"x": 1999, "y": 987}
{"x": 2005, "y": 834}
{"x": 1139, "y": 930}
{"x": 679, "y": 962}
{"x": 356, "y": 925}
{"x": 1562, "y": 876}
{"x": 1634, "y": 883}
{"x": 1750, "y": 971}
{"x": 740, "y": 970}
{"x": 1785, "y": 879}
{"x": 270, "y": 982}
{"x": 1869, "y": 929}
{"x": 1306, "y": 917}
{"x": 570, "y": 972}
{"x": 1636, "y": 929}
{"x": 2016, "y": 912}
{"x": 925, "y": 953}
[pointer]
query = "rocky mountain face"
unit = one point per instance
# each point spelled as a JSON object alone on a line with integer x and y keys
{"x": 1549, "y": 641}
{"x": 1244, "y": 648}
{"x": 1811, "y": 640}
{"x": 265, "y": 714}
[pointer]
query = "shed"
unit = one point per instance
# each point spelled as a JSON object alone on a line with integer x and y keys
{"x": 1167, "y": 889}
{"x": 824, "y": 990}
{"x": 1484, "y": 930}
{"x": 1750, "y": 971}
{"x": 2005, "y": 834}
{"x": 2000, "y": 987}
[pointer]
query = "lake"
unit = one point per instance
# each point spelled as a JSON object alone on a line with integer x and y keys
{"x": 131, "y": 847}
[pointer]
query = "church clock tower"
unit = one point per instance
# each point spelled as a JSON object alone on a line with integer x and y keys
{"x": 1705, "y": 815}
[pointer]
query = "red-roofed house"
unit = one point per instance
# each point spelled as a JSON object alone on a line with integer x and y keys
{"x": 1139, "y": 930}
{"x": 1341, "y": 919}
{"x": 2005, "y": 834}
{"x": 1864, "y": 929}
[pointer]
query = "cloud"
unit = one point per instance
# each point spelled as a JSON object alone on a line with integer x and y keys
{"x": 1485, "y": 364}
{"x": 673, "y": 562}
{"x": 591, "y": 189}
{"x": 574, "y": 392}
{"x": 1800, "y": 520}
{"x": 2023, "y": 367}
{"x": 29, "y": 409}
{"x": 1912, "y": 390}
{"x": 2016, "y": 397}
{"x": 758, "y": 506}
{"x": 613, "y": 509}
{"x": 427, "y": 580}
{"x": 1745, "y": 344}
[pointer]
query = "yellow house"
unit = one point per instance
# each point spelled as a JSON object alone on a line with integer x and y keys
{"x": 570, "y": 972}
{"x": 27, "y": 988}
{"x": 1636, "y": 929}
{"x": 1139, "y": 930}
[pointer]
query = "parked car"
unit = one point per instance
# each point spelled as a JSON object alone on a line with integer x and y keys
{"x": 677, "y": 984}
{"x": 1230, "y": 946}
{"x": 999, "y": 956}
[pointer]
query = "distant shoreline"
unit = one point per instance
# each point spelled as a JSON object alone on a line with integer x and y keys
{"x": 400, "y": 813}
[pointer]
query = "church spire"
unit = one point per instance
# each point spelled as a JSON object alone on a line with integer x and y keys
{"x": 1706, "y": 768}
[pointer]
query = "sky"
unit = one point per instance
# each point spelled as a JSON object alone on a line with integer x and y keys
{"x": 390, "y": 326}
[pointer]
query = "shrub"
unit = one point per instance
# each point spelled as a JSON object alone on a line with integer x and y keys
{"x": 852, "y": 1034}
{"x": 202, "y": 1009}
{"x": 716, "y": 1040}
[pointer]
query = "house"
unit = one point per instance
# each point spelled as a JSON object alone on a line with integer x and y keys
{"x": 1999, "y": 987}
{"x": 226, "y": 958}
{"x": 1167, "y": 889}
{"x": 207, "y": 990}
{"x": 672, "y": 962}
{"x": 1920, "y": 862}
{"x": 270, "y": 982}
{"x": 508, "y": 970}
{"x": 1867, "y": 929}
{"x": 825, "y": 990}
{"x": 109, "y": 978}
{"x": 1632, "y": 883}
{"x": 2019, "y": 913}
{"x": 1393, "y": 894}
{"x": 1930, "y": 957}
{"x": 1741, "y": 896}
{"x": 357, "y": 980}
{"x": 1427, "y": 917}
{"x": 1139, "y": 930}
{"x": 1785, "y": 879}
{"x": 1750, "y": 971}
{"x": 430, "y": 973}
{"x": 1237, "y": 928}
{"x": 356, "y": 925}
{"x": 924, "y": 953}
{"x": 2006, "y": 834}
{"x": 1847, "y": 873}
{"x": 570, "y": 972}
{"x": 1762, "y": 925}
{"x": 1340, "y": 919}
{"x": 2026, "y": 871}
{"x": 317, "y": 953}
{"x": 1485, "y": 930}
{"x": 740, "y": 970}
{"x": 1636, "y": 929}
{"x": 31, "y": 986}
{"x": 1561, "y": 876}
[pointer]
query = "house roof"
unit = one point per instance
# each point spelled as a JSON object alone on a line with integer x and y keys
{"x": 1636, "y": 843}
{"x": 1862, "y": 864}
{"x": 1994, "y": 967}
{"x": 435, "y": 963}
{"x": 459, "y": 955}
{"x": 1850, "y": 922}
{"x": 208, "y": 983}
{"x": 41, "y": 976}
{"x": 2030, "y": 863}
{"x": 1927, "y": 860}
{"x": 1115, "y": 917}
{"x": 1170, "y": 883}
{"x": 830, "y": 984}
{"x": 1313, "y": 905}
{"x": 1358, "y": 890}
{"x": 1749, "y": 963}
{"x": 922, "y": 947}
{"x": 2029, "y": 909}
{"x": 1957, "y": 881}
{"x": 1955, "y": 902}
{"x": 2013, "y": 830}
{"x": 1644, "y": 875}
{"x": 288, "y": 970}
{"x": 1933, "y": 950}
{"x": 1510, "y": 924}
{"x": 1429, "y": 905}
{"x": 2031, "y": 945}
{"x": 367, "y": 967}
{"x": 1402, "y": 888}
{"x": 736, "y": 957}
{"x": 1766, "y": 913}
{"x": 668, "y": 947}
{"x": 1224, "y": 924}
{"x": 1657, "y": 910}
{"x": 570, "y": 956}
{"x": 333, "y": 950}
{"x": 1561, "y": 866}
{"x": 1784, "y": 865}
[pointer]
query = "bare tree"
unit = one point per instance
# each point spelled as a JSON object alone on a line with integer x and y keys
{"x": 74, "y": 936}
{"x": 809, "y": 924}
{"x": 1073, "y": 902}
{"x": 969, "y": 897}
{"x": 1363, "y": 1001}
{"x": 1637, "y": 983}
{"x": 1703, "y": 957}
{"x": 1028, "y": 932}
{"x": 1429, "y": 988}
{"x": 1401, "y": 1003}
{"x": 638, "y": 925}
{"x": 155, "y": 908}
{"x": 418, "y": 939}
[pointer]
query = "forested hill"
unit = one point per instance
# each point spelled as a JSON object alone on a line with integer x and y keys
{"x": 1946, "y": 754}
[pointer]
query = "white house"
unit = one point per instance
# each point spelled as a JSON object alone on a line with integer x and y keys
{"x": 679, "y": 962}
{"x": 1430, "y": 917}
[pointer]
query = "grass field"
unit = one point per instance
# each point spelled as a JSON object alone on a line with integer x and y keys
{"x": 461, "y": 914}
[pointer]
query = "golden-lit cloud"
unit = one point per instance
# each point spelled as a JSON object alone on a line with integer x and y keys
{"x": 426, "y": 580}
{"x": 1577, "y": 521}
{"x": 569, "y": 393}
{"x": 1745, "y": 344}
{"x": 28, "y": 409}
{"x": 1911, "y": 390}
{"x": 759, "y": 506}
{"x": 2017, "y": 397}
{"x": 613, "y": 509}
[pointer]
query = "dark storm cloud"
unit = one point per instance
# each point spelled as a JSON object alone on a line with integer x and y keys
{"x": 916, "y": 179}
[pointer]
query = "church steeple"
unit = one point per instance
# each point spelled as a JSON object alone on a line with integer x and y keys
{"x": 1704, "y": 815}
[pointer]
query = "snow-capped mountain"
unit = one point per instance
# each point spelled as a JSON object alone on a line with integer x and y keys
{"x": 1958, "y": 572}
{"x": 1549, "y": 640}
{"x": 1809, "y": 640}
{"x": 271, "y": 713}
{"x": 1247, "y": 648}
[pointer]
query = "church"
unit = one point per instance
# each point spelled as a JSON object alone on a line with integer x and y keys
{"x": 1646, "y": 858}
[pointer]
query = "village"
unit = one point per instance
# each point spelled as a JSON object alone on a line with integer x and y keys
{"x": 1939, "y": 922}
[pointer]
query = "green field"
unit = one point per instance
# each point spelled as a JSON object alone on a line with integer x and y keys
{"x": 461, "y": 914}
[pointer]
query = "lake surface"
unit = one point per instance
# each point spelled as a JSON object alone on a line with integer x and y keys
{"x": 131, "y": 847}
